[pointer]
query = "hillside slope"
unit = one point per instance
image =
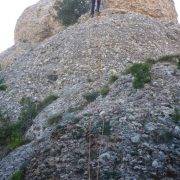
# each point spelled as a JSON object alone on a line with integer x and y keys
{"x": 86, "y": 50}
{"x": 126, "y": 133}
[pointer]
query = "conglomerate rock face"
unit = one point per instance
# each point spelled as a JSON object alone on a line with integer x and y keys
{"x": 127, "y": 134}
{"x": 86, "y": 50}
{"x": 38, "y": 22}
{"x": 163, "y": 9}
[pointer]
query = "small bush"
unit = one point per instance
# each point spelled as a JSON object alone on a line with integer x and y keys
{"x": 58, "y": 132}
{"x": 31, "y": 109}
{"x": 60, "y": 129}
{"x": 107, "y": 128}
{"x": 178, "y": 64}
{"x": 3, "y": 117}
{"x": 104, "y": 91}
{"x": 48, "y": 100}
{"x": 78, "y": 132}
{"x": 3, "y": 86}
{"x": 113, "y": 76}
{"x": 162, "y": 136}
{"x": 112, "y": 79}
{"x": 16, "y": 135}
{"x": 18, "y": 175}
{"x": 28, "y": 112}
{"x": 2, "y": 81}
{"x": 4, "y": 127}
{"x": 91, "y": 96}
{"x": 176, "y": 115}
{"x": 141, "y": 73}
{"x": 71, "y": 10}
{"x": 12, "y": 134}
{"x": 54, "y": 119}
{"x": 171, "y": 58}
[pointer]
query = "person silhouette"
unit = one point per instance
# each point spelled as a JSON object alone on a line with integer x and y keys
{"x": 97, "y": 4}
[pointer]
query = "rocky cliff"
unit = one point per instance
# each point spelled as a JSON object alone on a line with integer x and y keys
{"x": 41, "y": 20}
{"x": 97, "y": 100}
{"x": 38, "y": 22}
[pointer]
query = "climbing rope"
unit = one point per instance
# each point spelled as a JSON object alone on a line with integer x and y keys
{"x": 89, "y": 151}
{"x": 98, "y": 166}
{"x": 100, "y": 70}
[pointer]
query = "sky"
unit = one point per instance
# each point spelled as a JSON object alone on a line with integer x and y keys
{"x": 10, "y": 10}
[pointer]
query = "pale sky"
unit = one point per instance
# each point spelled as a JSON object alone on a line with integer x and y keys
{"x": 10, "y": 10}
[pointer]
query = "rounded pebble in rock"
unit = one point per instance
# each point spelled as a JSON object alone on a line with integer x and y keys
{"x": 156, "y": 164}
{"x": 102, "y": 113}
{"x": 135, "y": 138}
{"x": 162, "y": 156}
{"x": 150, "y": 127}
{"x": 106, "y": 157}
{"x": 177, "y": 130}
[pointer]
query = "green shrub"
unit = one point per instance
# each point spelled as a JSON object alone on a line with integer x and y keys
{"x": 9, "y": 132}
{"x": 107, "y": 128}
{"x": 31, "y": 109}
{"x": 28, "y": 112}
{"x": 12, "y": 134}
{"x": 5, "y": 130}
{"x": 171, "y": 58}
{"x": 60, "y": 129}
{"x": 71, "y": 10}
{"x": 104, "y": 91}
{"x": 78, "y": 132}
{"x": 2, "y": 80}
{"x": 3, "y": 117}
{"x": 54, "y": 119}
{"x": 58, "y": 132}
{"x": 162, "y": 136}
{"x": 178, "y": 64}
{"x": 18, "y": 175}
{"x": 176, "y": 115}
{"x": 112, "y": 79}
{"x": 91, "y": 96}
{"x": 16, "y": 135}
{"x": 3, "y": 86}
{"x": 48, "y": 100}
{"x": 141, "y": 73}
{"x": 113, "y": 76}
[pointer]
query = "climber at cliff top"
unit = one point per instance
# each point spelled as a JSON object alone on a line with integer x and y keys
{"x": 98, "y": 3}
